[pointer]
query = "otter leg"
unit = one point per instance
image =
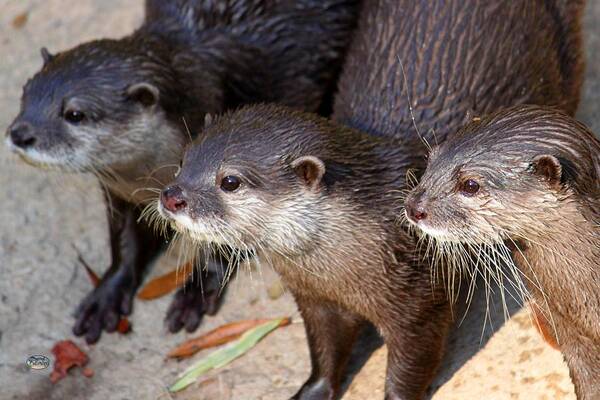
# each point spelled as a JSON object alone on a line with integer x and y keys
{"x": 415, "y": 350}
{"x": 331, "y": 333}
{"x": 201, "y": 294}
{"x": 133, "y": 246}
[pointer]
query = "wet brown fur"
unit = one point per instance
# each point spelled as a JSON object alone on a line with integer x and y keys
{"x": 460, "y": 59}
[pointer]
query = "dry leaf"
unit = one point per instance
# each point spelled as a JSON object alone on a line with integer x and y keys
{"x": 543, "y": 326}
{"x": 221, "y": 335}
{"x": 68, "y": 355}
{"x": 165, "y": 284}
{"x": 226, "y": 354}
{"x": 20, "y": 20}
{"x": 94, "y": 278}
{"x": 124, "y": 326}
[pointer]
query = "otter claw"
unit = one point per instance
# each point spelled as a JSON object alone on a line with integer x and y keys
{"x": 103, "y": 307}
{"x": 189, "y": 306}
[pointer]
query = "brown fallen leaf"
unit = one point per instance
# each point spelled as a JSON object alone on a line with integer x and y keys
{"x": 20, "y": 20}
{"x": 165, "y": 284}
{"x": 94, "y": 278}
{"x": 543, "y": 326}
{"x": 124, "y": 325}
{"x": 67, "y": 356}
{"x": 221, "y": 335}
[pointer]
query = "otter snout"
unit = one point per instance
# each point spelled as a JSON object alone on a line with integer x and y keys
{"x": 21, "y": 134}
{"x": 173, "y": 199}
{"x": 415, "y": 209}
{"x": 416, "y": 213}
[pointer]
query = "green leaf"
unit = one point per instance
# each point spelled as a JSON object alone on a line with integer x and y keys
{"x": 225, "y": 354}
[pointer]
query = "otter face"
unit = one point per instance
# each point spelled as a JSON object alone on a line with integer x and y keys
{"x": 483, "y": 195}
{"x": 232, "y": 191}
{"x": 89, "y": 108}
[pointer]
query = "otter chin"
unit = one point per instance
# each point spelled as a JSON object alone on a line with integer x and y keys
{"x": 522, "y": 187}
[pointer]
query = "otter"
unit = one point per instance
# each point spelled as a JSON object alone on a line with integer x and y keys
{"x": 529, "y": 177}
{"x": 316, "y": 201}
{"x": 124, "y": 109}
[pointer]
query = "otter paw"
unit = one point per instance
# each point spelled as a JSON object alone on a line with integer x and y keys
{"x": 103, "y": 307}
{"x": 189, "y": 305}
{"x": 316, "y": 390}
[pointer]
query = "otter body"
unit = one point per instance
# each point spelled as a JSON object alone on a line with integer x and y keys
{"x": 124, "y": 109}
{"x": 316, "y": 201}
{"x": 425, "y": 68}
{"x": 530, "y": 177}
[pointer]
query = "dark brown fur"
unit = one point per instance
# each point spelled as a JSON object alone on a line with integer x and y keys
{"x": 539, "y": 177}
{"x": 460, "y": 59}
{"x": 329, "y": 230}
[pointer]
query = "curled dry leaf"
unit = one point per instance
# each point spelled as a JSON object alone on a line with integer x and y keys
{"x": 165, "y": 284}
{"x": 68, "y": 355}
{"x": 221, "y": 335}
{"x": 94, "y": 278}
{"x": 543, "y": 326}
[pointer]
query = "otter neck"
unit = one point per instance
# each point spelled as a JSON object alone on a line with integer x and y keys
{"x": 561, "y": 268}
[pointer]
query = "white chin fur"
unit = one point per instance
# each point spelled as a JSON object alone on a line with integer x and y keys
{"x": 439, "y": 234}
{"x": 187, "y": 225}
{"x": 36, "y": 157}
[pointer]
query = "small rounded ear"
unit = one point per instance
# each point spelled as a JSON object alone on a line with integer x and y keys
{"x": 144, "y": 93}
{"x": 548, "y": 168}
{"x": 310, "y": 170}
{"x": 46, "y": 56}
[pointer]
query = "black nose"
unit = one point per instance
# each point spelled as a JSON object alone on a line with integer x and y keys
{"x": 416, "y": 212}
{"x": 172, "y": 199}
{"x": 21, "y": 134}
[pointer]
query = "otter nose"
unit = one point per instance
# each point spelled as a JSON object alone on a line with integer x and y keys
{"x": 21, "y": 135}
{"x": 416, "y": 212}
{"x": 172, "y": 199}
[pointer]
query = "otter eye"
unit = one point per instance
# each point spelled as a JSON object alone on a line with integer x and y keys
{"x": 74, "y": 116}
{"x": 230, "y": 183}
{"x": 469, "y": 187}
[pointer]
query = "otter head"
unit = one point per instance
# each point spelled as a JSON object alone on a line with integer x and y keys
{"x": 252, "y": 182}
{"x": 502, "y": 178}
{"x": 98, "y": 105}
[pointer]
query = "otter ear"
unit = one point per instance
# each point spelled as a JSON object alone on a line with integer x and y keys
{"x": 144, "y": 93}
{"x": 46, "y": 56}
{"x": 548, "y": 168}
{"x": 310, "y": 170}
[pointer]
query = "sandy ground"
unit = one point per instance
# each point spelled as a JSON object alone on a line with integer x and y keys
{"x": 44, "y": 215}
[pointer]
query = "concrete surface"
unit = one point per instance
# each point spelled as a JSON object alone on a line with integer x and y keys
{"x": 44, "y": 215}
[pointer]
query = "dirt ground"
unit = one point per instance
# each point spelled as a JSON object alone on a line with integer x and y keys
{"x": 43, "y": 216}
